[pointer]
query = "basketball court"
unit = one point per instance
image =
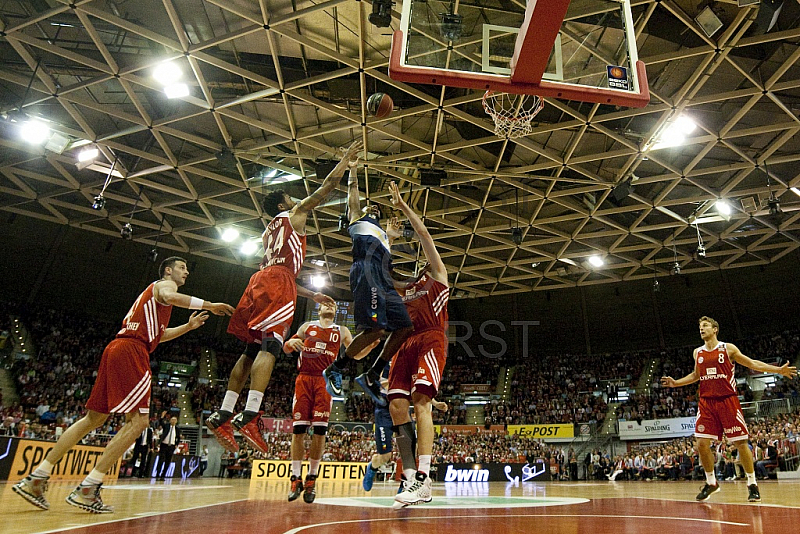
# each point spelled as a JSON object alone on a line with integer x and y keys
{"x": 228, "y": 506}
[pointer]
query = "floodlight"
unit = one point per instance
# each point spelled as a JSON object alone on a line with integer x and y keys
{"x": 230, "y": 234}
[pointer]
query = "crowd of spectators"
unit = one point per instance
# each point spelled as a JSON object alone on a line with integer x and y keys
{"x": 54, "y": 382}
{"x": 555, "y": 389}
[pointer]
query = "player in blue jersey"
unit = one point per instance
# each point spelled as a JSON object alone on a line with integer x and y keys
{"x": 378, "y": 308}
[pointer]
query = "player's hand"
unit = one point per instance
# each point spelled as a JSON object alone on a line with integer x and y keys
{"x": 394, "y": 228}
{"x": 351, "y": 154}
{"x": 439, "y": 405}
{"x": 220, "y": 308}
{"x": 197, "y": 319}
{"x": 668, "y": 382}
{"x": 322, "y": 298}
{"x": 295, "y": 344}
{"x": 787, "y": 370}
{"x": 397, "y": 200}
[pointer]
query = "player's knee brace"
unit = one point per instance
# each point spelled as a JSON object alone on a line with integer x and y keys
{"x": 299, "y": 429}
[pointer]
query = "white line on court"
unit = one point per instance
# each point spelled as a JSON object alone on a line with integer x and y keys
{"x": 134, "y": 518}
{"x": 450, "y": 517}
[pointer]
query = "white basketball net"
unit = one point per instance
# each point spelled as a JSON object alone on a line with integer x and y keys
{"x": 512, "y": 114}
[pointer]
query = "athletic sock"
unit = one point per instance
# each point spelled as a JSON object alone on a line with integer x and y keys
{"x": 711, "y": 480}
{"x": 313, "y": 467}
{"x": 93, "y": 479}
{"x": 254, "y": 399}
{"x": 229, "y": 403}
{"x": 43, "y": 470}
{"x": 425, "y": 463}
{"x": 751, "y": 478}
{"x": 297, "y": 468}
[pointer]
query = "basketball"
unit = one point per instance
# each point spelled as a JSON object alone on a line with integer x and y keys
{"x": 380, "y": 105}
{"x": 617, "y": 73}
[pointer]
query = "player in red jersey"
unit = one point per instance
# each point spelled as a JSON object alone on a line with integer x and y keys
{"x": 718, "y": 410}
{"x": 266, "y": 309}
{"x": 318, "y": 343}
{"x": 123, "y": 384}
{"x": 417, "y": 367}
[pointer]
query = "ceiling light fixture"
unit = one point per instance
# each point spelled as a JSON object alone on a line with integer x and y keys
{"x": 178, "y": 90}
{"x": 596, "y": 261}
{"x": 708, "y": 21}
{"x": 230, "y": 234}
{"x": 167, "y": 73}
{"x": 724, "y": 209}
{"x": 249, "y": 247}
{"x": 34, "y": 131}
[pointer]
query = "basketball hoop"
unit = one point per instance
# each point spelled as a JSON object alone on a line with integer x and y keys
{"x": 512, "y": 114}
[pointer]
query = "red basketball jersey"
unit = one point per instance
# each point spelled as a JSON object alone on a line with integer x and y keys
{"x": 426, "y": 302}
{"x": 146, "y": 320}
{"x": 716, "y": 370}
{"x": 283, "y": 245}
{"x": 320, "y": 348}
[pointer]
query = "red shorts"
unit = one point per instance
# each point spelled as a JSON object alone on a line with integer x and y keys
{"x": 312, "y": 403}
{"x": 123, "y": 380}
{"x": 266, "y": 307}
{"x": 417, "y": 366}
{"x": 718, "y": 416}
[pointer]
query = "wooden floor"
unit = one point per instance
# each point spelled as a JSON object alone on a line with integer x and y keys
{"x": 217, "y": 506}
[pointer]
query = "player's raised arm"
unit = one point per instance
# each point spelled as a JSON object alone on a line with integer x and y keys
{"x": 316, "y": 296}
{"x": 330, "y": 182}
{"x": 166, "y": 292}
{"x": 757, "y": 365}
{"x": 196, "y": 320}
{"x": 437, "y": 269}
{"x": 353, "y": 196}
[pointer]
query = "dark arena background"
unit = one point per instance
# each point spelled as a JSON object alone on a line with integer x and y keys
{"x": 580, "y": 258}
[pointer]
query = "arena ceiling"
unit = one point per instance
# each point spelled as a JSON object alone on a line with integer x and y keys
{"x": 277, "y": 85}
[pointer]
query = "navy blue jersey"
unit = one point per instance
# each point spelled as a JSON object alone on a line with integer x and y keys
{"x": 370, "y": 241}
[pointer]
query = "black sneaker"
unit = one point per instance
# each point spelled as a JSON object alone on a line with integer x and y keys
{"x": 372, "y": 388}
{"x": 297, "y": 488}
{"x": 753, "y": 495}
{"x": 706, "y": 491}
{"x": 310, "y": 489}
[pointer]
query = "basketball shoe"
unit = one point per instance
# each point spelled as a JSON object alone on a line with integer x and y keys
{"x": 417, "y": 490}
{"x": 32, "y": 489}
{"x": 253, "y": 430}
{"x": 310, "y": 488}
{"x": 88, "y": 498}
{"x": 223, "y": 431}
{"x": 371, "y": 387}
{"x": 333, "y": 380}
{"x": 297, "y": 488}
{"x": 753, "y": 495}
{"x": 706, "y": 491}
{"x": 369, "y": 477}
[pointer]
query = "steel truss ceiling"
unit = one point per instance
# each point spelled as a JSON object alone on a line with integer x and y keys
{"x": 281, "y": 84}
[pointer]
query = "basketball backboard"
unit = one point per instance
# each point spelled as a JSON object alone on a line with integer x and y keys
{"x": 573, "y": 50}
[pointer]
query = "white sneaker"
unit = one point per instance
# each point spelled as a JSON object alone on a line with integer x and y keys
{"x": 88, "y": 498}
{"x": 415, "y": 491}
